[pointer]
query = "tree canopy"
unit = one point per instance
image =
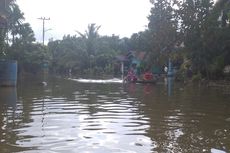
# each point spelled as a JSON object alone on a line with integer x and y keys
{"x": 191, "y": 31}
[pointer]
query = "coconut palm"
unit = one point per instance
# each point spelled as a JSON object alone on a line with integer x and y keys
{"x": 90, "y": 36}
{"x": 15, "y": 20}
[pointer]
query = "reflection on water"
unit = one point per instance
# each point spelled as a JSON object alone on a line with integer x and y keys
{"x": 8, "y": 96}
{"x": 68, "y": 116}
{"x": 169, "y": 85}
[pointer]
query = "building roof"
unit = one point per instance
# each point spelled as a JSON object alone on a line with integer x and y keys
{"x": 121, "y": 58}
{"x": 140, "y": 55}
{"x": 137, "y": 55}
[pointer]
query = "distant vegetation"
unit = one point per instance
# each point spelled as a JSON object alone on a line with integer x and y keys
{"x": 194, "y": 34}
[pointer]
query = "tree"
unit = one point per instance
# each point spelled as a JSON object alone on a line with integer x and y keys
{"x": 222, "y": 7}
{"x": 197, "y": 27}
{"x": 15, "y": 20}
{"x": 26, "y": 34}
{"x": 141, "y": 41}
{"x": 163, "y": 29}
{"x": 4, "y": 13}
{"x": 220, "y": 56}
{"x": 68, "y": 53}
{"x": 90, "y": 36}
{"x": 2, "y": 35}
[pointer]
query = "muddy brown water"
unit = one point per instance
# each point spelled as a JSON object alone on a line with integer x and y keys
{"x": 70, "y": 116}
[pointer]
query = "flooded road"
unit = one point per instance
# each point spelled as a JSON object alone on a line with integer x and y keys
{"x": 70, "y": 116}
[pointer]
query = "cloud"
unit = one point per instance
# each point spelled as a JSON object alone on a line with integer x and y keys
{"x": 119, "y": 17}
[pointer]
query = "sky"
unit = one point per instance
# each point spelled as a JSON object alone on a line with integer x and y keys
{"x": 119, "y": 17}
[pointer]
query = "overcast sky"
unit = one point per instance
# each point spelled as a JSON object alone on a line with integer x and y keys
{"x": 119, "y": 17}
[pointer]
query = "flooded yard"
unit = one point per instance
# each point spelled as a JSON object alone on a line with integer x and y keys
{"x": 98, "y": 117}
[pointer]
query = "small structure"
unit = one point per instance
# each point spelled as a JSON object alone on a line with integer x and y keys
{"x": 133, "y": 68}
{"x": 122, "y": 60}
{"x": 8, "y": 73}
{"x": 128, "y": 60}
{"x": 138, "y": 57}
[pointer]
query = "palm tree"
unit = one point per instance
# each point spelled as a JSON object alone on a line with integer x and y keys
{"x": 15, "y": 20}
{"x": 12, "y": 16}
{"x": 90, "y": 36}
{"x": 26, "y": 34}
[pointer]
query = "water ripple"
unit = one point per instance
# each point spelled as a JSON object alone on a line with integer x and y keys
{"x": 102, "y": 118}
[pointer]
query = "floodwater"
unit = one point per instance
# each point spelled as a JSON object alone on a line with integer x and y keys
{"x": 111, "y": 117}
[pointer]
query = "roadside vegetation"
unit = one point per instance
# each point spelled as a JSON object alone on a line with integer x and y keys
{"x": 194, "y": 34}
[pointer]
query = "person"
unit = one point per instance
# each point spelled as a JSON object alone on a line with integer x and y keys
{"x": 131, "y": 76}
{"x": 148, "y": 76}
{"x": 166, "y": 69}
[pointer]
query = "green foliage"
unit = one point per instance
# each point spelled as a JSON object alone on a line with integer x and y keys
{"x": 163, "y": 29}
{"x": 72, "y": 53}
{"x": 195, "y": 20}
{"x": 15, "y": 20}
{"x": 19, "y": 44}
{"x": 68, "y": 54}
{"x": 141, "y": 41}
{"x": 2, "y": 43}
{"x": 90, "y": 36}
{"x": 26, "y": 34}
{"x": 30, "y": 57}
{"x": 202, "y": 26}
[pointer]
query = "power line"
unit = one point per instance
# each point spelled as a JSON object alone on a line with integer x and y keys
{"x": 43, "y": 29}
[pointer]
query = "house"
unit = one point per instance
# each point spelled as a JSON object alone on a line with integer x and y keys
{"x": 126, "y": 61}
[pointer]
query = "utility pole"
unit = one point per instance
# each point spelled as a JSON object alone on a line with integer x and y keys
{"x": 43, "y": 29}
